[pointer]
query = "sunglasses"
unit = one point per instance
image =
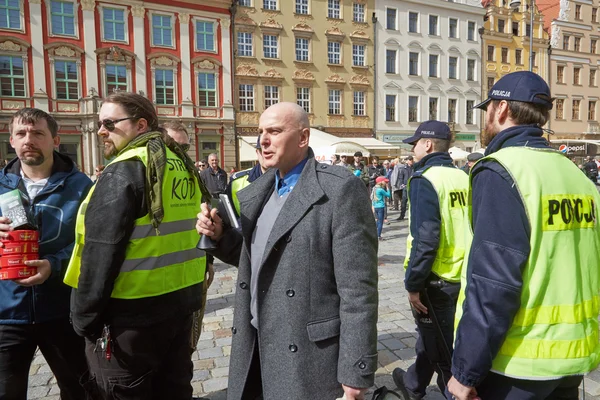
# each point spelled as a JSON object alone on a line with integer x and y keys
{"x": 202, "y": 165}
{"x": 109, "y": 124}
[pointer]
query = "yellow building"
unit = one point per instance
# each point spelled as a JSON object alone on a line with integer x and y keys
{"x": 506, "y": 46}
{"x": 318, "y": 53}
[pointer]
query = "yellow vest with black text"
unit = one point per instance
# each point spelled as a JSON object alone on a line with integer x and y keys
{"x": 555, "y": 331}
{"x": 157, "y": 261}
{"x": 451, "y": 186}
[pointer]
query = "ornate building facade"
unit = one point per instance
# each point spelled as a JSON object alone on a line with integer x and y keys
{"x": 574, "y": 65}
{"x": 317, "y": 53}
{"x": 428, "y": 67}
{"x": 64, "y": 56}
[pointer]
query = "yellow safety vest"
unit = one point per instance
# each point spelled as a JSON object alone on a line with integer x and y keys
{"x": 452, "y": 187}
{"x": 156, "y": 261}
{"x": 238, "y": 184}
{"x": 555, "y": 331}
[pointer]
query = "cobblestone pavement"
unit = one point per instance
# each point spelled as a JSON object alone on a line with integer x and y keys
{"x": 396, "y": 330}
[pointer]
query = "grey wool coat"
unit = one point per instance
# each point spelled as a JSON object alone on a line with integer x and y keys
{"x": 317, "y": 289}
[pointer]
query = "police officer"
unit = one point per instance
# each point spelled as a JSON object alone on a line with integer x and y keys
{"x": 529, "y": 325}
{"x": 437, "y": 193}
{"x": 135, "y": 268}
{"x": 241, "y": 179}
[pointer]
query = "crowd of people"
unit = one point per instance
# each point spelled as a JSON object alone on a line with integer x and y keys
{"x": 116, "y": 305}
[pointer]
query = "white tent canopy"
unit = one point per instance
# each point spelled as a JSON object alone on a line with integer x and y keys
{"x": 457, "y": 153}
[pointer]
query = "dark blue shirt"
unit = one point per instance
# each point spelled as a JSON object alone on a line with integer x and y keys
{"x": 286, "y": 184}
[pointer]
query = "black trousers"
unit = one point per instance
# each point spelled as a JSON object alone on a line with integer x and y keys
{"x": 253, "y": 388}
{"x": 499, "y": 387}
{"x": 397, "y": 198}
{"x": 404, "y": 205}
{"x": 61, "y": 347}
{"x": 434, "y": 349}
{"x": 147, "y": 363}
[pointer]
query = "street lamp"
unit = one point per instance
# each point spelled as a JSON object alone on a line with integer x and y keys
{"x": 515, "y": 4}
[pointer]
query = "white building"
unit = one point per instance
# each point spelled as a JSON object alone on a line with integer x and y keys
{"x": 428, "y": 55}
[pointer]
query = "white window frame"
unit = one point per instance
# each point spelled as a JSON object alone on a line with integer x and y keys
{"x": 164, "y": 14}
{"x": 475, "y": 77}
{"x": 103, "y": 8}
{"x": 237, "y": 43}
{"x": 175, "y": 84}
{"x": 357, "y": 57}
{"x": 418, "y": 63}
{"x": 127, "y": 66}
{"x": 77, "y": 61}
{"x": 395, "y": 61}
{"x": 306, "y": 92}
{"x": 339, "y": 52}
{"x": 437, "y": 108}
{"x": 334, "y": 101}
{"x": 270, "y": 2}
{"x": 246, "y": 5}
{"x": 437, "y": 69}
{"x": 302, "y": 50}
{"x": 276, "y": 47}
{"x": 457, "y": 74}
{"x": 21, "y": 20}
{"x": 75, "y": 19}
{"x": 296, "y": 4}
{"x": 215, "y": 72}
{"x": 270, "y": 98}
{"x": 409, "y": 12}
{"x": 470, "y": 112}
{"x": 474, "y": 31}
{"x": 418, "y": 111}
{"x": 360, "y": 105}
{"x": 437, "y": 25}
{"x": 332, "y": 11}
{"x": 215, "y": 34}
{"x": 456, "y": 106}
{"x": 356, "y": 5}
{"x": 395, "y": 107}
{"x": 457, "y": 36}
{"x": 23, "y": 55}
{"x": 252, "y": 96}
{"x": 395, "y": 27}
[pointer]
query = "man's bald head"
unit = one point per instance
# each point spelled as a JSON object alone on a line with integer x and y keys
{"x": 284, "y": 132}
{"x": 292, "y": 112}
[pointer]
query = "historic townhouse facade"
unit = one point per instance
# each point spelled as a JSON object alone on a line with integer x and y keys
{"x": 318, "y": 53}
{"x": 506, "y": 34}
{"x": 428, "y": 67}
{"x": 64, "y": 56}
{"x": 574, "y": 67}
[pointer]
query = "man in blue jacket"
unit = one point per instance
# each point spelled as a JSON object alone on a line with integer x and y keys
{"x": 529, "y": 325}
{"x": 34, "y": 312}
{"x": 436, "y": 246}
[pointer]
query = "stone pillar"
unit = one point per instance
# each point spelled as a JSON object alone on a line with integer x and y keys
{"x": 139, "y": 48}
{"x": 89, "y": 42}
{"x": 227, "y": 69}
{"x": 40, "y": 96}
{"x": 187, "y": 104}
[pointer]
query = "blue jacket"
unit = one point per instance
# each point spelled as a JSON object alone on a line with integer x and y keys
{"x": 499, "y": 252}
{"x": 378, "y": 201}
{"x": 55, "y": 209}
{"x": 425, "y": 222}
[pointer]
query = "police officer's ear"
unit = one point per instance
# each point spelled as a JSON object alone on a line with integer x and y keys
{"x": 502, "y": 111}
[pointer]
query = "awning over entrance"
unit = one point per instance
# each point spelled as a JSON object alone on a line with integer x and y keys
{"x": 247, "y": 149}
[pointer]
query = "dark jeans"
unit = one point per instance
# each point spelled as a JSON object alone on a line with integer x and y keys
{"x": 432, "y": 349}
{"x": 61, "y": 347}
{"x": 397, "y": 198}
{"x": 380, "y": 215}
{"x": 151, "y": 362}
{"x": 499, "y": 387}
{"x": 404, "y": 205}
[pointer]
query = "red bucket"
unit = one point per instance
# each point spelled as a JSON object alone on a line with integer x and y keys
{"x": 21, "y": 236}
{"x": 19, "y": 272}
{"x": 17, "y": 260}
{"x": 19, "y": 248}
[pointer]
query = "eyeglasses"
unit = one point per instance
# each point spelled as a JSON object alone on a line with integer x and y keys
{"x": 202, "y": 165}
{"x": 109, "y": 124}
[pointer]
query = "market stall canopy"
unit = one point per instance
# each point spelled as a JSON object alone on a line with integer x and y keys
{"x": 457, "y": 153}
{"x": 247, "y": 149}
{"x": 349, "y": 148}
{"x": 373, "y": 144}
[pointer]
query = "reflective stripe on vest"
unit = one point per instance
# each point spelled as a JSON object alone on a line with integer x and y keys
{"x": 237, "y": 185}
{"x": 157, "y": 261}
{"x": 451, "y": 186}
{"x": 555, "y": 331}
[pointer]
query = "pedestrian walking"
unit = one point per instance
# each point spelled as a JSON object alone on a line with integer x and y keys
{"x": 404, "y": 175}
{"x": 528, "y": 308}
{"x": 294, "y": 337}
{"x": 34, "y": 311}
{"x": 136, "y": 272}
{"x": 436, "y": 247}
